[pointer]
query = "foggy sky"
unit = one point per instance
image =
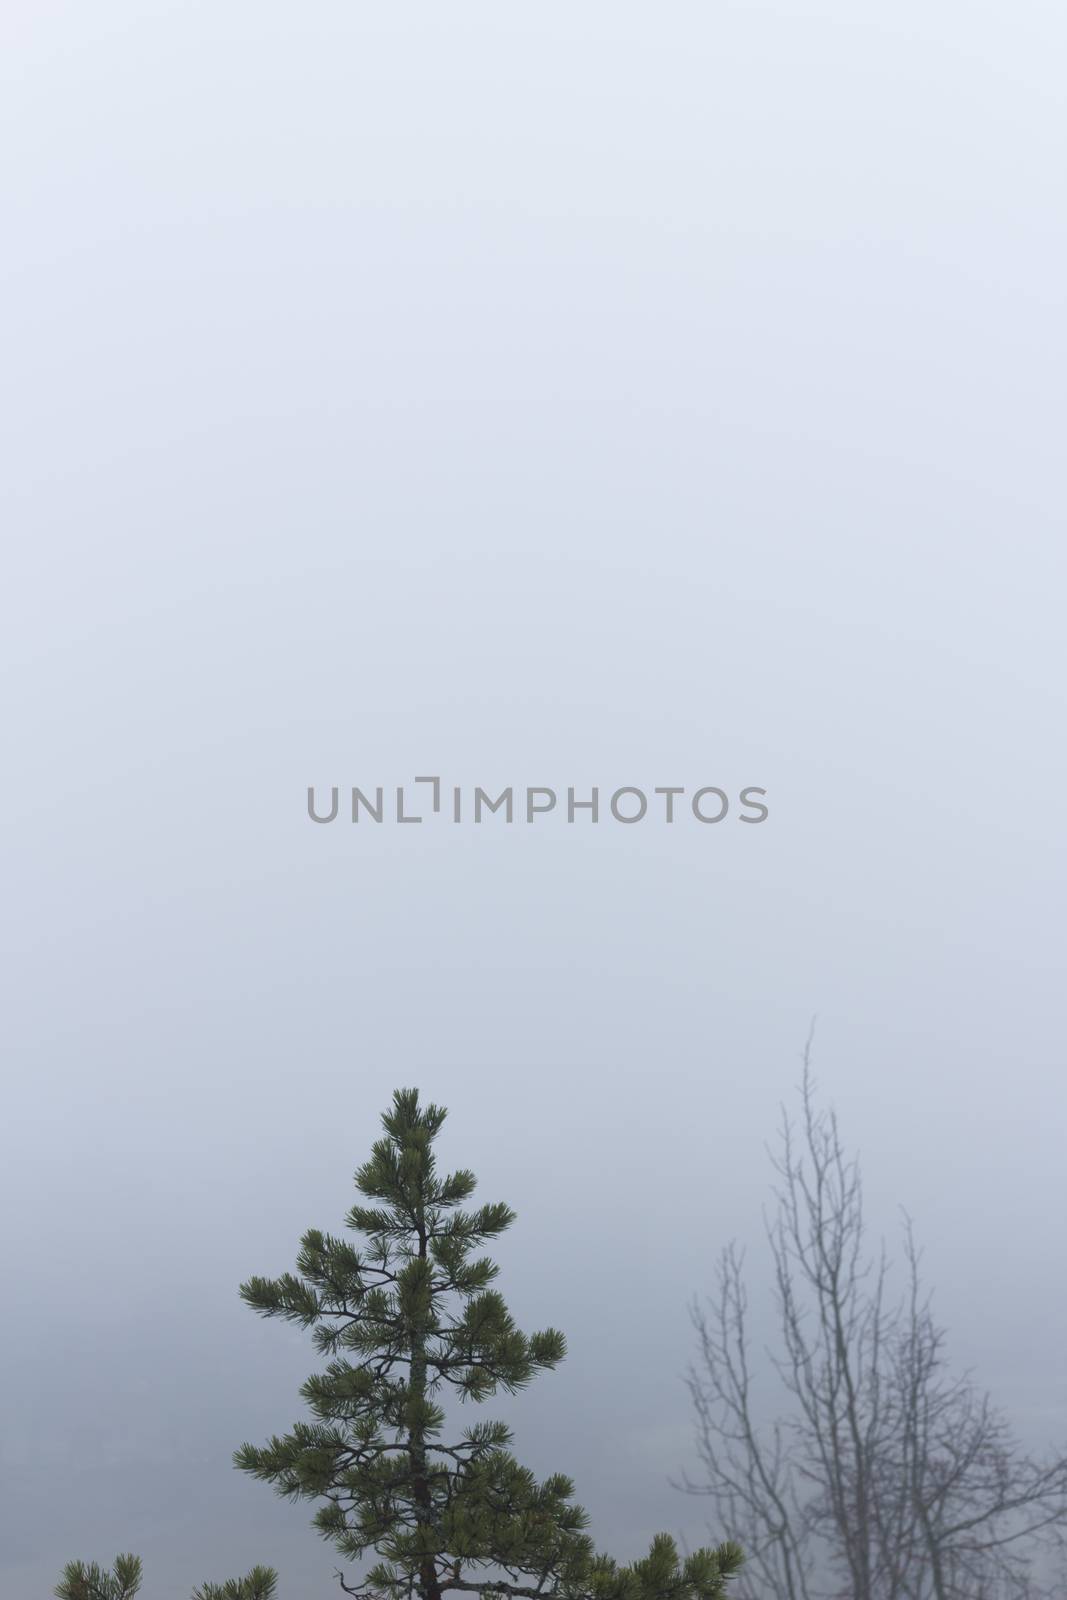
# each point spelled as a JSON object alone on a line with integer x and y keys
{"x": 550, "y": 395}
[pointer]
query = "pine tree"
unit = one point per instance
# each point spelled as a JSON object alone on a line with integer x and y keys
{"x": 409, "y": 1316}
{"x": 93, "y": 1582}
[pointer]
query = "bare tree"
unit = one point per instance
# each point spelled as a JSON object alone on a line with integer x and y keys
{"x": 886, "y": 1478}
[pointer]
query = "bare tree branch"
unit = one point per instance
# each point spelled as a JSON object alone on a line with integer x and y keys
{"x": 888, "y": 1477}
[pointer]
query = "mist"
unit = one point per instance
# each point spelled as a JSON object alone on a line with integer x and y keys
{"x": 601, "y": 396}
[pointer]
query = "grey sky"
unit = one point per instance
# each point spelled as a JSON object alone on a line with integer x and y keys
{"x": 602, "y": 394}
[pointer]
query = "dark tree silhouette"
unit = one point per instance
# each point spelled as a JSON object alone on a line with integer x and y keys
{"x": 887, "y": 1477}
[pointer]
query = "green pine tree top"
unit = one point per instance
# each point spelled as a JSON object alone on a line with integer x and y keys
{"x": 406, "y": 1317}
{"x": 93, "y": 1582}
